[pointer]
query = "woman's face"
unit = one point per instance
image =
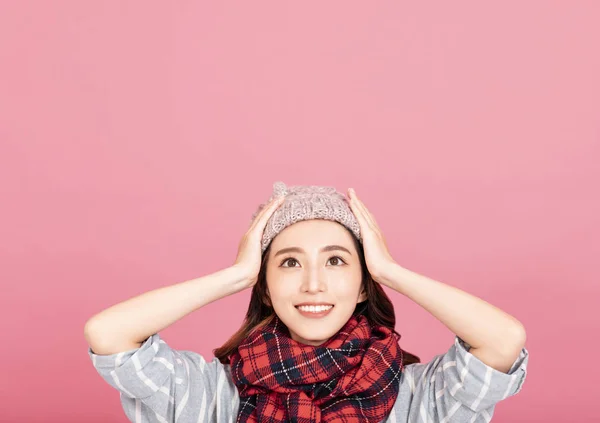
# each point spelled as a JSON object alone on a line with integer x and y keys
{"x": 310, "y": 273}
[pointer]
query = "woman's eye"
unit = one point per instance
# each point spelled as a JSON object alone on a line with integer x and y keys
{"x": 286, "y": 260}
{"x": 338, "y": 261}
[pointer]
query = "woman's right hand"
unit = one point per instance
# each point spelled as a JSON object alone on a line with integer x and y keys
{"x": 249, "y": 257}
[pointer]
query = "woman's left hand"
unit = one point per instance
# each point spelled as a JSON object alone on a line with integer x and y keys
{"x": 377, "y": 255}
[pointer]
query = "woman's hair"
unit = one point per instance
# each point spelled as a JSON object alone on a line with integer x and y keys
{"x": 378, "y": 309}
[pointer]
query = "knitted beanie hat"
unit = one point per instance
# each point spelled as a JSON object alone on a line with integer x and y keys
{"x": 305, "y": 202}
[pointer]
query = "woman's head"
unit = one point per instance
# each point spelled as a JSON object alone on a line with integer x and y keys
{"x": 304, "y": 264}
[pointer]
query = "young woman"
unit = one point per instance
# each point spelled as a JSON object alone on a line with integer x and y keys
{"x": 319, "y": 341}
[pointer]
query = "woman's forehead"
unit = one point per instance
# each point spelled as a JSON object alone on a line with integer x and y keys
{"x": 313, "y": 234}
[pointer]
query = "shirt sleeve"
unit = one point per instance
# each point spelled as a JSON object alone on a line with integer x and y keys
{"x": 159, "y": 383}
{"x": 457, "y": 386}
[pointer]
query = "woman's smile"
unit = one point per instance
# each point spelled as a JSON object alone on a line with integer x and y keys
{"x": 314, "y": 312}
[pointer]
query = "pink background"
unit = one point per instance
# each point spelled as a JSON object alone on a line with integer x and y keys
{"x": 137, "y": 138}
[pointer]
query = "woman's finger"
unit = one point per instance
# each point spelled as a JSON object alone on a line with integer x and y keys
{"x": 263, "y": 216}
{"x": 370, "y": 216}
{"x": 358, "y": 212}
{"x": 264, "y": 210}
{"x": 363, "y": 210}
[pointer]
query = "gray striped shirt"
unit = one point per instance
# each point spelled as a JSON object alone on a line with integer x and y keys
{"x": 160, "y": 384}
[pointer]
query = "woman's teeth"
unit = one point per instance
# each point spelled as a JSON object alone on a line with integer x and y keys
{"x": 314, "y": 309}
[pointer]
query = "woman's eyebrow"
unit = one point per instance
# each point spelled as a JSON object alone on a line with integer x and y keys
{"x": 300, "y": 250}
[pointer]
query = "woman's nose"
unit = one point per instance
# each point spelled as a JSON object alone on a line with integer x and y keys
{"x": 314, "y": 281}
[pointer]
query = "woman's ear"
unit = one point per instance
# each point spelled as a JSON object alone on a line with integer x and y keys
{"x": 363, "y": 296}
{"x": 267, "y": 299}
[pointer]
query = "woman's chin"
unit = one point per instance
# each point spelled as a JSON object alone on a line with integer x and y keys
{"x": 312, "y": 341}
{"x": 313, "y": 335}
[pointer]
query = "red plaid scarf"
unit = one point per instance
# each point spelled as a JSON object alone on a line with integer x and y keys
{"x": 353, "y": 377}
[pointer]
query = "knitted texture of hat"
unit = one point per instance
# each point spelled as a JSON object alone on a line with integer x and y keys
{"x": 306, "y": 202}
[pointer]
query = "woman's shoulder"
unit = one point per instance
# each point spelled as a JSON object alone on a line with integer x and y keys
{"x": 156, "y": 376}
{"x": 455, "y": 382}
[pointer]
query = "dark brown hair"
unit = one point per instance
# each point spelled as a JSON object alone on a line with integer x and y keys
{"x": 377, "y": 307}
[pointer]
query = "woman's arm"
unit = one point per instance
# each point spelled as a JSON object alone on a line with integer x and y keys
{"x": 496, "y": 338}
{"x": 126, "y": 325}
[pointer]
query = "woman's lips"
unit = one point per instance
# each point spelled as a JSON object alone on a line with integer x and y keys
{"x": 314, "y": 315}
